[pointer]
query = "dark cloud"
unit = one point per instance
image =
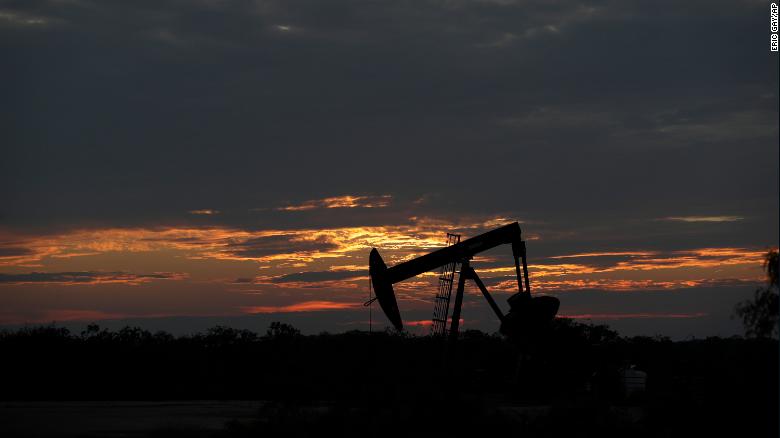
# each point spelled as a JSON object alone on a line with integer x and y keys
{"x": 318, "y": 276}
{"x": 12, "y": 251}
{"x": 556, "y": 113}
{"x": 273, "y": 245}
{"x": 85, "y": 277}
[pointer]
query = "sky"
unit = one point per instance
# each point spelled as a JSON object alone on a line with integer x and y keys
{"x": 180, "y": 164}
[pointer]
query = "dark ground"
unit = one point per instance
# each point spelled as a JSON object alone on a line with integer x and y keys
{"x": 230, "y": 383}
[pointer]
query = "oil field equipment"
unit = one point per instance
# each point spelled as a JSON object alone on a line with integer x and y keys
{"x": 526, "y": 313}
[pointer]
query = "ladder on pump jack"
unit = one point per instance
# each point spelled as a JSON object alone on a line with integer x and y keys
{"x": 441, "y": 306}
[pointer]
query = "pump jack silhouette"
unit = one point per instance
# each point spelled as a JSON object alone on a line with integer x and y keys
{"x": 526, "y": 315}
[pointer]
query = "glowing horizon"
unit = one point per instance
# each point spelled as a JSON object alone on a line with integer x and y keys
{"x": 268, "y": 264}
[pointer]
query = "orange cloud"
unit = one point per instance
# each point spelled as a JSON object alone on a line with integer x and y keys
{"x": 617, "y": 285}
{"x": 285, "y": 254}
{"x": 347, "y": 201}
{"x": 427, "y": 322}
{"x": 419, "y": 323}
{"x": 222, "y": 243}
{"x": 305, "y": 306}
{"x": 696, "y": 258}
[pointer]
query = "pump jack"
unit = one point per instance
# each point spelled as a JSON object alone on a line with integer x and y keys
{"x": 526, "y": 313}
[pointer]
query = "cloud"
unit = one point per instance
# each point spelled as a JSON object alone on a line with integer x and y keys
{"x": 73, "y": 278}
{"x": 652, "y": 260}
{"x": 78, "y": 315}
{"x": 24, "y": 19}
{"x": 623, "y": 285}
{"x": 333, "y": 280}
{"x": 326, "y": 258}
{"x": 604, "y": 254}
{"x": 634, "y": 270}
{"x": 305, "y": 306}
{"x": 223, "y": 243}
{"x": 279, "y": 247}
{"x": 704, "y": 218}
{"x": 278, "y": 115}
{"x": 318, "y": 276}
{"x": 14, "y": 252}
{"x": 347, "y": 201}
{"x": 697, "y": 258}
{"x": 205, "y": 212}
{"x": 603, "y": 262}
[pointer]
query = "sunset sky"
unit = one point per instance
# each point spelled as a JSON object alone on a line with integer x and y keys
{"x": 180, "y": 164}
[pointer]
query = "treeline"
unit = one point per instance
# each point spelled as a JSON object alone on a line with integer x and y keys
{"x": 570, "y": 360}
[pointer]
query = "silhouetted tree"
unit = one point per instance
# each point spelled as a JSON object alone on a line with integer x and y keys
{"x": 91, "y": 330}
{"x": 760, "y": 315}
{"x": 279, "y": 330}
{"x": 226, "y": 336}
